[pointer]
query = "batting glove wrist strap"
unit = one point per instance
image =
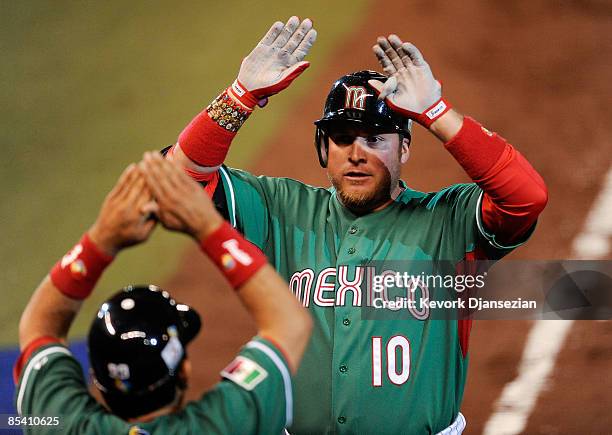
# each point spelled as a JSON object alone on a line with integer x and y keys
{"x": 237, "y": 258}
{"x": 77, "y": 273}
{"x": 240, "y": 93}
{"x": 434, "y": 112}
{"x": 429, "y": 115}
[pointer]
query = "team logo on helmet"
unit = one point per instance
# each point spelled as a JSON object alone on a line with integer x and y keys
{"x": 355, "y": 97}
{"x": 120, "y": 373}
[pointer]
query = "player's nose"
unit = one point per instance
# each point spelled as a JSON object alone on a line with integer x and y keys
{"x": 357, "y": 151}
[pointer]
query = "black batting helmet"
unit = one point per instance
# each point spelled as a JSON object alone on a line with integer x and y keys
{"x": 137, "y": 343}
{"x": 353, "y": 100}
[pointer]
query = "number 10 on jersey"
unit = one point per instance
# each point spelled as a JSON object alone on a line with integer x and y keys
{"x": 397, "y": 360}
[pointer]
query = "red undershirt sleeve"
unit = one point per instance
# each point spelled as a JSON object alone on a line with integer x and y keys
{"x": 514, "y": 193}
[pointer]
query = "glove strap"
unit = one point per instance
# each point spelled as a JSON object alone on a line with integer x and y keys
{"x": 433, "y": 112}
{"x": 240, "y": 93}
{"x": 429, "y": 116}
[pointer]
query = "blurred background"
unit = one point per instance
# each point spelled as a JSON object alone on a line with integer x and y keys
{"x": 87, "y": 87}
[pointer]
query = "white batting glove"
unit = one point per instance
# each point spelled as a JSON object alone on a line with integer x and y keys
{"x": 411, "y": 88}
{"x": 275, "y": 62}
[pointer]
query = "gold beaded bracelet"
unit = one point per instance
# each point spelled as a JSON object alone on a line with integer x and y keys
{"x": 227, "y": 112}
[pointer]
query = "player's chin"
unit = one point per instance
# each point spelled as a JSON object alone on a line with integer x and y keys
{"x": 356, "y": 196}
{"x": 356, "y": 192}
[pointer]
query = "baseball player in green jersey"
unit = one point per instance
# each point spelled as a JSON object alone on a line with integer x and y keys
{"x": 138, "y": 339}
{"x": 367, "y": 376}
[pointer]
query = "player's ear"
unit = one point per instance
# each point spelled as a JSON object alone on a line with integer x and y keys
{"x": 404, "y": 150}
{"x": 185, "y": 372}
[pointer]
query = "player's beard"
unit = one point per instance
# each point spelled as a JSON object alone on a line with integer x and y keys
{"x": 363, "y": 202}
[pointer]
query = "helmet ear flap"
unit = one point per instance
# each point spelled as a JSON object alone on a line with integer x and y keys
{"x": 322, "y": 146}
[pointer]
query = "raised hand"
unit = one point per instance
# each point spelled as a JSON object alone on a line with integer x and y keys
{"x": 183, "y": 205}
{"x": 278, "y": 58}
{"x": 124, "y": 218}
{"x": 411, "y": 87}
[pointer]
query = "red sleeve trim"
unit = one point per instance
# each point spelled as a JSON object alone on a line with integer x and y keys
{"x": 279, "y": 348}
{"x": 464, "y": 324}
{"x": 211, "y": 186}
{"x": 464, "y": 329}
{"x": 27, "y": 352}
{"x": 210, "y": 178}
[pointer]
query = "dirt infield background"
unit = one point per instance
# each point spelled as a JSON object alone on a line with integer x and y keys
{"x": 88, "y": 86}
{"x": 538, "y": 73}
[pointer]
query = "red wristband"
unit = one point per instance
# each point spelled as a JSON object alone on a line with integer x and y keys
{"x": 207, "y": 138}
{"x": 210, "y": 178}
{"x": 77, "y": 273}
{"x": 237, "y": 258}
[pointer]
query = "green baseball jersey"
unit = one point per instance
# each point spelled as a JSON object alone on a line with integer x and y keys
{"x": 254, "y": 397}
{"x": 403, "y": 375}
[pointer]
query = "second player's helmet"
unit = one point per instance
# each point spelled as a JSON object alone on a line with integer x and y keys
{"x": 137, "y": 343}
{"x": 353, "y": 100}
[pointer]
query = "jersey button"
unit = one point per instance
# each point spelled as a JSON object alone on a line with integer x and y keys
{"x": 353, "y": 230}
{"x": 342, "y": 419}
{"x": 351, "y": 250}
{"x": 346, "y": 322}
{"x": 343, "y": 368}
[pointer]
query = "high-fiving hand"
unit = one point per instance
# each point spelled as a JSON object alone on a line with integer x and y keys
{"x": 182, "y": 203}
{"x": 155, "y": 189}
{"x": 124, "y": 218}
{"x": 278, "y": 58}
{"x": 411, "y": 88}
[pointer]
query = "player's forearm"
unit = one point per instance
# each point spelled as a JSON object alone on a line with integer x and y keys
{"x": 58, "y": 298}
{"x": 48, "y": 313}
{"x": 277, "y": 313}
{"x": 207, "y": 138}
{"x": 514, "y": 193}
{"x": 447, "y": 126}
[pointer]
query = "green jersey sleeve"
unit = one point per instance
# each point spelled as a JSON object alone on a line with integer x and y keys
{"x": 254, "y": 397}
{"x": 262, "y": 370}
{"x": 462, "y": 215}
{"x": 248, "y": 198}
{"x": 52, "y": 385}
